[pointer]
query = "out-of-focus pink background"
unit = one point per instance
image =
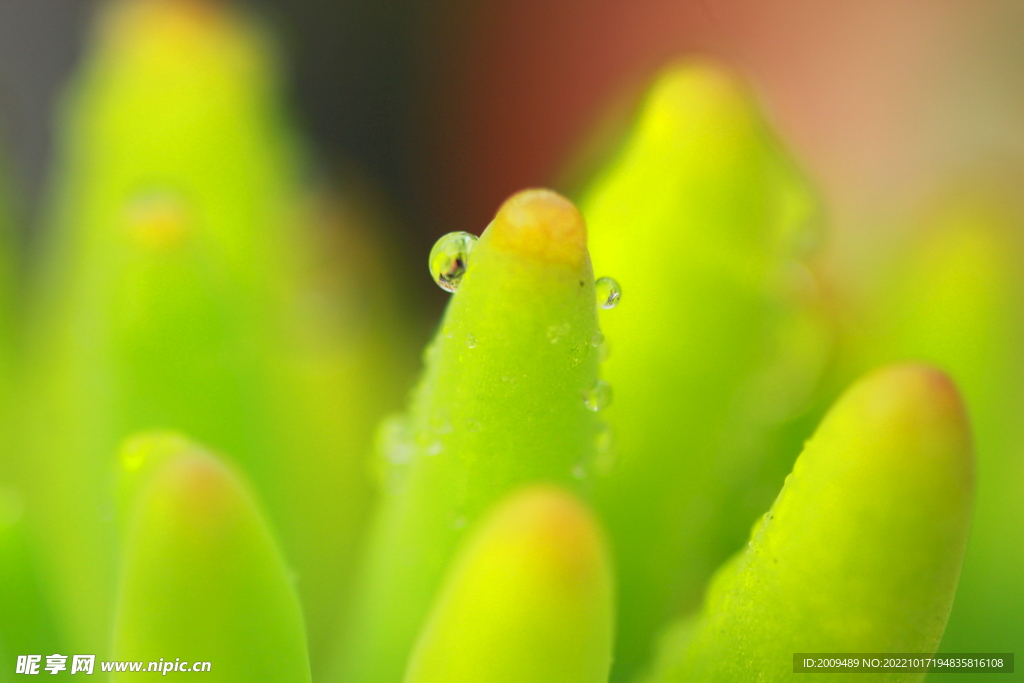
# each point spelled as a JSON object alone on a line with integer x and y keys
{"x": 879, "y": 99}
{"x": 451, "y": 106}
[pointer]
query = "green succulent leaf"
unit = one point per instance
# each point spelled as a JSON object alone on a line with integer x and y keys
{"x": 26, "y": 619}
{"x": 202, "y": 578}
{"x": 953, "y": 299}
{"x": 190, "y": 289}
{"x": 717, "y": 341}
{"x": 528, "y": 598}
{"x": 501, "y": 403}
{"x": 860, "y": 552}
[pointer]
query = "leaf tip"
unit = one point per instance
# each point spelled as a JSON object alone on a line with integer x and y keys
{"x": 557, "y": 527}
{"x": 541, "y": 224}
{"x": 921, "y": 401}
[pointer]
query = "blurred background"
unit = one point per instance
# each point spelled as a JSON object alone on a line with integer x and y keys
{"x": 448, "y": 107}
{"x": 420, "y": 116}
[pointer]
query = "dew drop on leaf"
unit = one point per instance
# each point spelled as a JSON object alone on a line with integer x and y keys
{"x": 555, "y": 333}
{"x": 578, "y": 353}
{"x": 393, "y": 442}
{"x": 449, "y": 259}
{"x": 598, "y": 396}
{"x": 608, "y": 292}
{"x": 604, "y": 451}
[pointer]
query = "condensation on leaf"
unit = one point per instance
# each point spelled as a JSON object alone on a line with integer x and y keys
{"x": 449, "y": 259}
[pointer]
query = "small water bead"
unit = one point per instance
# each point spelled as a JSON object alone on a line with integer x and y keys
{"x": 604, "y": 451}
{"x": 579, "y": 472}
{"x": 433, "y": 448}
{"x": 449, "y": 259}
{"x": 393, "y": 440}
{"x": 601, "y": 344}
{"x": 578, "y": 353}
{"x": 470, "y": 341}
{"x": 557, "y": 332}
{"x": 598, "y": 396}
{"x": 440, "y": 423}
{"x": 608, "y": 292}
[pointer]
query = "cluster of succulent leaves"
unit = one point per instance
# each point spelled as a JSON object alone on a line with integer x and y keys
{"x": 195, "y": 288}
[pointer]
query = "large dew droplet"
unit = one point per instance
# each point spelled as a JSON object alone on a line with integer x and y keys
{"x": 598, "y": 396}
{"x": 608, "y": 292}
{"x": 449, "y": 259}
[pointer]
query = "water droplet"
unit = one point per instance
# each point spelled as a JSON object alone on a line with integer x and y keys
{"x": 604, "y": 450}
{"x": 449, "y": 259}
{"x": 556, "y": 332}
{"x": 597, "y": 339}
{"x": 393, "y": 442}
{"x": 459, "y": 522}
{"x": 433, "y": 448}
{"x": 608, "y": 292}
{"x": 599, "y": 396}
{"x": 579, "y": 472}
{"x": 578, "y": 353}
{"x": 470, "y": 341}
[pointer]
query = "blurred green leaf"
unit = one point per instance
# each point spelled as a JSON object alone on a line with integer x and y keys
{"x": 202, "y": 578}
{"x": 860, "y": 552}
{"x": 953, "y": 298}
{"x": 26, "y": 619}
{"x": 192, "y": 285}
{"x": 717, "y": 342}
{"x": 528, "y": 598}
{"x": 501, "y": 403}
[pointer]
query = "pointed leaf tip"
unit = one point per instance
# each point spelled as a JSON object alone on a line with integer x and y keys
{"x": 696, "y": 86}
{"x": 703, "y": 219}
{"x": 502, "y": 403}
{"x": 529, "y": 598}
{"x": 542, "y": 224}
{"x": 862, "y": 549}
{"x": 202, "y": 577}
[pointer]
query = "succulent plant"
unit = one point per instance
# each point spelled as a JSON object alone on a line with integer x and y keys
{"x": 615, "y": 393}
